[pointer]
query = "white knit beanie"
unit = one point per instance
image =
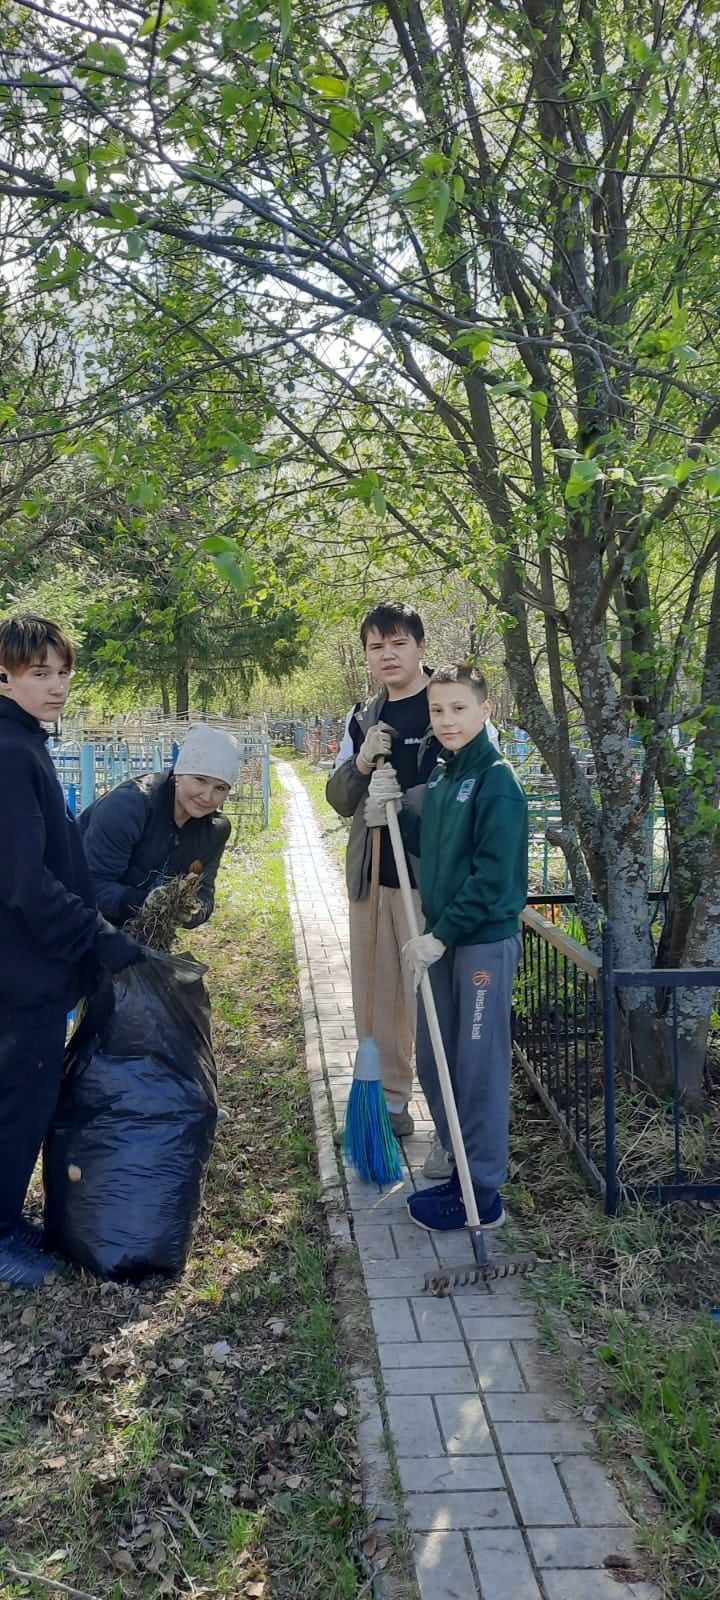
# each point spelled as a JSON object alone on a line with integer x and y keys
{"x": 209, "y": 753}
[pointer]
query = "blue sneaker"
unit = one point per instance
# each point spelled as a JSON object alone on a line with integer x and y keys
{"x": 442, "y": 1209}
{"x": 22, "y": 1265}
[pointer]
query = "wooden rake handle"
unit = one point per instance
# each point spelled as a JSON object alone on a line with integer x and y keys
{"x": 446, "y": 1088}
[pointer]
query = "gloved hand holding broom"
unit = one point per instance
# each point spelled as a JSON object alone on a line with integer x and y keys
{"x": 368, "y": 1139}
{"x": 376, "y": 744}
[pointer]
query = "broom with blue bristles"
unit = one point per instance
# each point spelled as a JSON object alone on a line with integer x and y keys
{"x": 368, "y": 1140}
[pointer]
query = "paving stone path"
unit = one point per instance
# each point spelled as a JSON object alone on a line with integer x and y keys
{"x": 502, "y": 1492}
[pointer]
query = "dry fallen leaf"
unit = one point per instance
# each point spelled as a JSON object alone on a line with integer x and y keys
{"x": 123, "y": 1560}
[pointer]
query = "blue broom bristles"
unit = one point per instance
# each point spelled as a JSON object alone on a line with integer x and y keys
{"x": 368, "y": 1140}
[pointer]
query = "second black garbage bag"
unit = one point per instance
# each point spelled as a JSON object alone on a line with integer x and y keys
{"x": 126, "y": 1158}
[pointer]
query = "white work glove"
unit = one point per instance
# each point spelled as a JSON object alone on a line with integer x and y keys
{"x": 384, "y": 786}
{"x": 377, "y": 742}
{"x": 422, "y": 953}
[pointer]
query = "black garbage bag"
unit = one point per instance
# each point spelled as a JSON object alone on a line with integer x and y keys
{"x": 125, "y": 1159}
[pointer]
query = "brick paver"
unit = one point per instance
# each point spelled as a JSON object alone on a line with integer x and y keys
{"x": 501, "y": 1492}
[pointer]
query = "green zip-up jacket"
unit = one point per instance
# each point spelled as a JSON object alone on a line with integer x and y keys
{"x": 472, "y": 840}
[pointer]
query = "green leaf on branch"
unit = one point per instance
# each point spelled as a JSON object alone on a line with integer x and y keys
{"x": 285, "y": 19}
{"x": 640, "y": 51}
{"x": 239, "y": 452}
{"x": 378, "y": 128}
{"x": 584, "y": 474}
{"x": 441, "y": 206}
{"x": 123, "y": 213}
{"x": 344, "y": 122}
{"x": 330, "y": 88}
{"x": 108, "y": 57}
{"x": 143, "y": 494}
{"x": 218, "y": 544}
{"x": 419, "y": 189}
{"x": 510, "y": 386}
{"x": 177, "y": 39}
{"x": 231, "y": 96}
{"x": 539, "y": 405}
{"x": 230, "y": 560}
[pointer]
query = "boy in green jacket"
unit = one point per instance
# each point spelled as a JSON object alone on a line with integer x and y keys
{"x": 472, "y": 839}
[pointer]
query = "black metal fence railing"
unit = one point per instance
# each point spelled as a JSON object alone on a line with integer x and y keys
{"x": 556, "y": 1021}
{"x": 567, "y": 1003}
{"x": 689, "y": 1168}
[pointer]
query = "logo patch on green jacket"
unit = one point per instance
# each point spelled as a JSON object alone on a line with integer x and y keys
{"x": 465, "y": 790}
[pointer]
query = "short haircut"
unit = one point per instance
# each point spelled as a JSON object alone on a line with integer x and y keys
{"x": 391, "y": 616}
{"x": 25, "y": 641}
{"x": 462, "y": 672}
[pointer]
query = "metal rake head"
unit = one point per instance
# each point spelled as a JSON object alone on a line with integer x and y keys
{"x": 446, "y": 1279}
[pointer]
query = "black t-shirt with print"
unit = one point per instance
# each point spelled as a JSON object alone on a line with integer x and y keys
{"x": 410, "y": 718}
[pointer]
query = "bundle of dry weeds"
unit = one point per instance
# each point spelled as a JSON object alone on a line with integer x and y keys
{"x": 167, "y": 910}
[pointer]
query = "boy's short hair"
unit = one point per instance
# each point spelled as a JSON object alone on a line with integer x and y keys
{"x": 462, "y": 672}
{"x": 391, "y": 616}
{"x": 25, "y": 641}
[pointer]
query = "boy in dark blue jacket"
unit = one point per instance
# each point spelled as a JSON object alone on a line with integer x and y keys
{"x": 52, "y": 938}
{"x": 472, "y": 839}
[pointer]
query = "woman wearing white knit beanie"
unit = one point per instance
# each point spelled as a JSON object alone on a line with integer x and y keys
{"x": 163, "y": 826}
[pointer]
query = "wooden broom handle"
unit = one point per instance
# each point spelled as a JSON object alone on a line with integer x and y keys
{"x": 373, "y": 933}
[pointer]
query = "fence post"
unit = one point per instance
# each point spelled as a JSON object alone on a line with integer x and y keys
{"x": 608, "y": 994}
{"x": 266, "y": 781}
{"x": 87, "y": 775}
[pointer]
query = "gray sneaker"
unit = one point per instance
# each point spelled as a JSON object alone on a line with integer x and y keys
{"x": 439, "y": 1163}
{"x": 401, "y": 1123}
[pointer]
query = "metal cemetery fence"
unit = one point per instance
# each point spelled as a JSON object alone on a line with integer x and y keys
{"x": 318, "y": 738}
{"x": 628, "y": 1144}
{"x": 88, "y": 768}
{"x": 548, "y": 866}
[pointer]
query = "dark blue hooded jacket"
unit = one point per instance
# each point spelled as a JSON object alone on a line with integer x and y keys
{"x": 49, "y": 927}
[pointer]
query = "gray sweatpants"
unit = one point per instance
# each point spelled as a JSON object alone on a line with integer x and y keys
{"x": 472, "y": 986}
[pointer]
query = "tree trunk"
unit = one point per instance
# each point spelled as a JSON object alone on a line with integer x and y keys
{"x": 696, "y": 1005}
{"x": 182, "y": 690}
{"x": 165, "y": 695}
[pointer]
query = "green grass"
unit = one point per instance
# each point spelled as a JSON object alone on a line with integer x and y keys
{"x": 636, "y": 1292}
{"x": 198, "y": 1437}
